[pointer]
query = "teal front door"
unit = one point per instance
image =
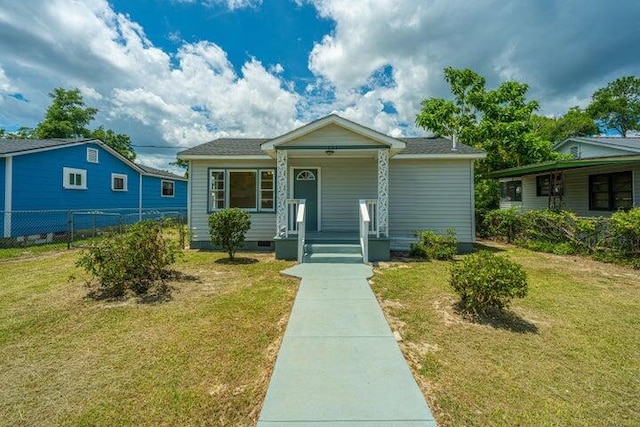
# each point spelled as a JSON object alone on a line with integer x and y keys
{"x": 305, "y": 186}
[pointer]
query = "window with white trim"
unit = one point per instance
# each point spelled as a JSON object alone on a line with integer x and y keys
{"x": 92, "y": 155}
{"x": 167, "y": 188}
{"x": 250, "y": 189}
{"x": 118, "y": 182}
{"x": 74, "y": 179}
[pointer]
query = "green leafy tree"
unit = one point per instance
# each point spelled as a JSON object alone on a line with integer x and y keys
{"x": 184, "y": 164}
{"x": 498, "y": 121}
{"x": 457, "y": 118}
{"x": 576, "y": 122}
{"x": 118, "y": 141}
{"x": 617, "y": 106}
{"x": 23, "y": 132}
{"x": 66, "y": 117}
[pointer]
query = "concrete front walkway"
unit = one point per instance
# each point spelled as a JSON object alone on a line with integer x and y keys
{"x": 339, "y": 364}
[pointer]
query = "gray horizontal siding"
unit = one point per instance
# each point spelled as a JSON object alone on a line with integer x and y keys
{"x": 431, "y": 195}
{"x": 331, "y": 135}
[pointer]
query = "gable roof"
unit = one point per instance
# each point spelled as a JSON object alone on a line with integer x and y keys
{"x": 20, "y": 146}
{"x": 16, "y": 147}
{"x": 629, "y": 144}
{"x": 333, "y": 119}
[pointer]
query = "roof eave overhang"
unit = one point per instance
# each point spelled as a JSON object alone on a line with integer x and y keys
{"x": 223, "y": 157}
{"x": 452, "y": 156}
{"x": 53, "y": 147}
{"x": 562, "y": 165}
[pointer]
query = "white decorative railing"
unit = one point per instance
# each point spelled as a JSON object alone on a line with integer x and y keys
{"x": 365, "y": 220}
{"x": 291, "y": 216}
{"x": 300, "y": 218}
{"x": 372, "y": 209}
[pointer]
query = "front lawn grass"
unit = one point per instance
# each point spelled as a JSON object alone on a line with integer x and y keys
{"x": 202, "y": 358}
{"x": 568, "y": 354}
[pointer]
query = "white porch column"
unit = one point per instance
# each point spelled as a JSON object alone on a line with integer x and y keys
{"x": 383, "y": 191}
{"x": 281, "y": 172}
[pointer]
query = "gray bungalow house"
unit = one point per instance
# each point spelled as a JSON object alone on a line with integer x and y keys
{"x": 330, "y": 181}
{"x": 600, "y": 176}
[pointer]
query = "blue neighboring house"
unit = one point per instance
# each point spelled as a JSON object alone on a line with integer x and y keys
{"x": 42, "y": 181}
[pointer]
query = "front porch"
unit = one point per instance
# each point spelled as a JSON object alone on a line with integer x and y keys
{"x": 332, "y": 246}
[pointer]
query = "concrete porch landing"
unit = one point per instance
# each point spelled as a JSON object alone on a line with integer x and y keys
{"x": 339, "y": 364}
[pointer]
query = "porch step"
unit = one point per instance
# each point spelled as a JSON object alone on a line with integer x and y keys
{"x": 333, "y": 248}
{"x": 340, "y": 253}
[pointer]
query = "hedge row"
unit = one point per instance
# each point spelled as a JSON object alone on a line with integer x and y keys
{"x": 616, "y": 238}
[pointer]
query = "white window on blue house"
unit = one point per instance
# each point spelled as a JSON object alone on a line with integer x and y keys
{"x": 167, "y": 188}
{"x": 92, "y": 155}
{"x": 74, "y": 179}
{"x": 118, "y": 182}
{"x": 250, "y": 189}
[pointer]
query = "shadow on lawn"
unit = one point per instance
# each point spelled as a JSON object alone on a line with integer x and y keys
{"x": 236, "y": 260}
{"x": 499, "y": 319}
{"x": 157, "y": 293}
{"x": 482, "y": 247}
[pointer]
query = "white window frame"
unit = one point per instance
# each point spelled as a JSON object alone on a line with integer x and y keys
{"x": 227, "y": 189}
{"x": 66, "y": 182}
{"x": 124, "y": 183}
{"x": 92, "y": 150}
{"x": 173, "y": 188}
{"x": 272, "y": 189}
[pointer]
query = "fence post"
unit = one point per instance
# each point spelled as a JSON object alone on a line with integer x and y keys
{"x": 69, "y": 229}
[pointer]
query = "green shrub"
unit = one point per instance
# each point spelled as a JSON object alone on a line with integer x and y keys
{"x": 625, "y": 227}
{"x": 484, "y": 280}
{"x": 228, "y": 228}
{"x": 437, "y": 246}
{"x": 504, "y": 224}
{"x": 134, "y": 260}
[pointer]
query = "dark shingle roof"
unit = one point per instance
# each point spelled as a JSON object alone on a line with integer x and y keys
{"x": 159, "y": 172}
{"x": 12, "y": 146}
{"x": 251, "y": 146}
{"x": 228, "y": 147}
{"x": 435, "y": 146}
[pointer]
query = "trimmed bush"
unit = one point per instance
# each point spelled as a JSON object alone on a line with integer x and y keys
{"x": 134, "y": 260}
{"x": 228, "y": 228}
{"x": 437, "y": 246}
{"x": 484, "y": 281}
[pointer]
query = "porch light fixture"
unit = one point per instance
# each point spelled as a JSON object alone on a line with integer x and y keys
{"x": 329, "y": 152}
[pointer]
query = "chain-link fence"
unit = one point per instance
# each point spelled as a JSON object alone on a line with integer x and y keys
{"x": 77, "y": 227}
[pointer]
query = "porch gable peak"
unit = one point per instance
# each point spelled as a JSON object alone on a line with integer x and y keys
{"x": 377, "y": 139}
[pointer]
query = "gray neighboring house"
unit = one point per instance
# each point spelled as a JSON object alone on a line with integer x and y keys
{"x": 601, "y": 175}
{"x": 346, "y": 173}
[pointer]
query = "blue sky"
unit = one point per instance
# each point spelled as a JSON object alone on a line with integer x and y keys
{"x": 176, "y": 73}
